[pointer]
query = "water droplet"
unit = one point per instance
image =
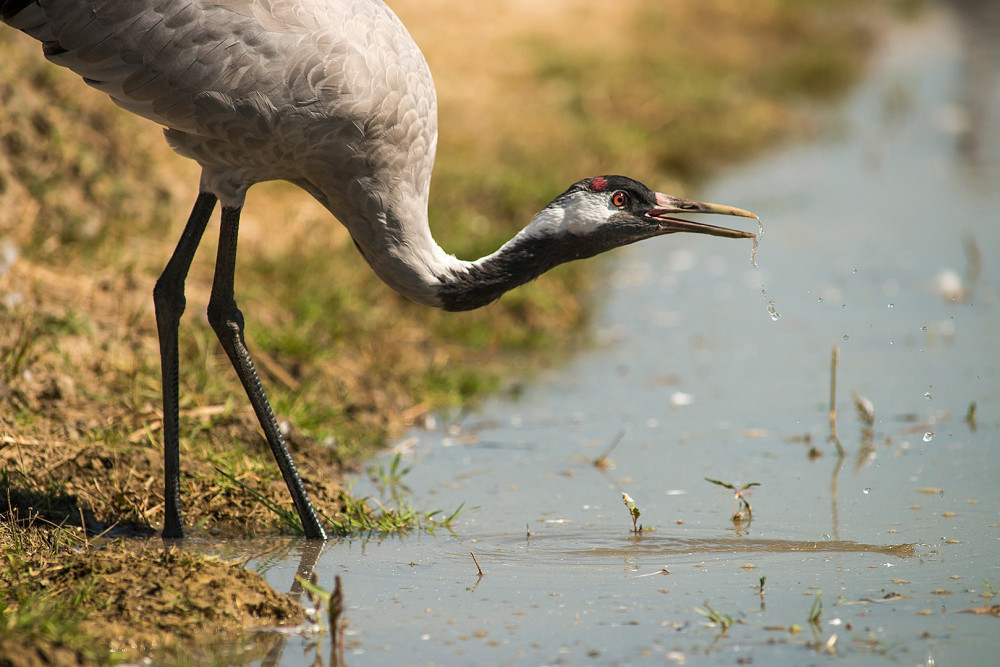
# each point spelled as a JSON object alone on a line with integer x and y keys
{"x": 892, "y": 305}
{"x": 846, "y": 337}
{"x": 680, "y": 399}
{"x": 928, "y": 436}
{"x": 866, "y": 491}
{"x": 819, "y": 299}
{"x": 927, "y": 395}
{"x": 770, "y": 306}
{"x": 854, "y": 271}
{"x": 756, "y": 242}
{"x": 923, "y": 328}
{"x": 941, "y": 493}
{"x": 770, "y": 309}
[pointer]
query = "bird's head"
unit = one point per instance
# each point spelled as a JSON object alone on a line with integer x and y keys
{"x": 594, "y": 215}
{"x": 604, "y": 212}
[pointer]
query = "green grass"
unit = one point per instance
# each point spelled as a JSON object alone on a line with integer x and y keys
{"x": 723, "y": 621}
{"x": 29, "y": 616}
{"x": 359, "y": 518}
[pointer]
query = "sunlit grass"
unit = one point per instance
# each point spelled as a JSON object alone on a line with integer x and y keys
{"x": 29, "y": 616}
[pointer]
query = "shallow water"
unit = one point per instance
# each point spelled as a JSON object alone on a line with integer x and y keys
{"x": 881, "y": 239}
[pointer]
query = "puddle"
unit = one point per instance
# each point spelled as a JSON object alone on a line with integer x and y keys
{"x": 879, "y": 239}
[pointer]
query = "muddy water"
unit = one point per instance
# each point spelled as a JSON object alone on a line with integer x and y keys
{"x": 881, "y": 238}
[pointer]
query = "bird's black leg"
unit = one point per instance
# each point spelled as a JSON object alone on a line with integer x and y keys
{"x": 227, "y": 320}
{"x": 168, "y": 297}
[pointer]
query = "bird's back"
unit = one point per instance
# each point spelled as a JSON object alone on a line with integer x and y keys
{"x": 330, "y": 94}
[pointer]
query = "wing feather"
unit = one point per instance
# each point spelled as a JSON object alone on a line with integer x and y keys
{"x": 330, "y": 94}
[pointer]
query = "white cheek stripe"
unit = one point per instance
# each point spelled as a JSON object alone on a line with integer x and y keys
{"x": 579, "y": 214}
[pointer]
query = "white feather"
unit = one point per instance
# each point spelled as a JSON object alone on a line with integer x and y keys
{"x": 579, "y": 213}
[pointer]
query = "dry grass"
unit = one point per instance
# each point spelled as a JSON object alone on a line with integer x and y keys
{"x": 72, "y": 603}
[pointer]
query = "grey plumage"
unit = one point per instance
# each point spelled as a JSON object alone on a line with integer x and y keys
{"x": 334, "y": 96}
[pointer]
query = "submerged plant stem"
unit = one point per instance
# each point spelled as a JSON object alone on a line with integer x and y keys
{"x": 833, "y": 401}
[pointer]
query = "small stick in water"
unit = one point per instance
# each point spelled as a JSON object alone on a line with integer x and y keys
{"x": 833, "y": 402}
{"x": 602, "y": 460}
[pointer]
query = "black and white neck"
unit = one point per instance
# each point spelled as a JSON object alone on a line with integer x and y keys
{"x": 592, "y": 216}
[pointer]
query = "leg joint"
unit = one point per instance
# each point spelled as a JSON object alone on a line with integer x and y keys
{"x": 168, "y": 297}
{"x": 224, "y": 316}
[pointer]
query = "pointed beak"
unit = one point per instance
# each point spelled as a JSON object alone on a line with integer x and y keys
{"x": 667, "y": 205}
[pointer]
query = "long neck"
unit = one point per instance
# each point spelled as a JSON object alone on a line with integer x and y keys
{"x": 520, "y": 260}
{"x": 400, "y": 248}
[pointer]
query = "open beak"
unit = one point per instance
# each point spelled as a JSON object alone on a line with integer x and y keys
{"x": 667, "y": 205}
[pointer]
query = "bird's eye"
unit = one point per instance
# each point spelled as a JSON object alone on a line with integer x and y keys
{"x": 619, "y": 199}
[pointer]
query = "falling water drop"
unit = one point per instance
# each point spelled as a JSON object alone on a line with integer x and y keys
{"x": 927, "y": 395}
{"x": 928, "y": 436}
{"x": 866, "y": 491}
{"x": 846, "y": 337}
{"x": 774, "y": 313}
{"x": 771, "y": 310}
{"x": 756, "y": 242}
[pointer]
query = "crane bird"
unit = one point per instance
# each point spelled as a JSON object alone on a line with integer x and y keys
{"x": 335, "y": 97}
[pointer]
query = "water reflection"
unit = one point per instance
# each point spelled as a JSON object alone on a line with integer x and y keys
{"x": 657, "y": 545}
